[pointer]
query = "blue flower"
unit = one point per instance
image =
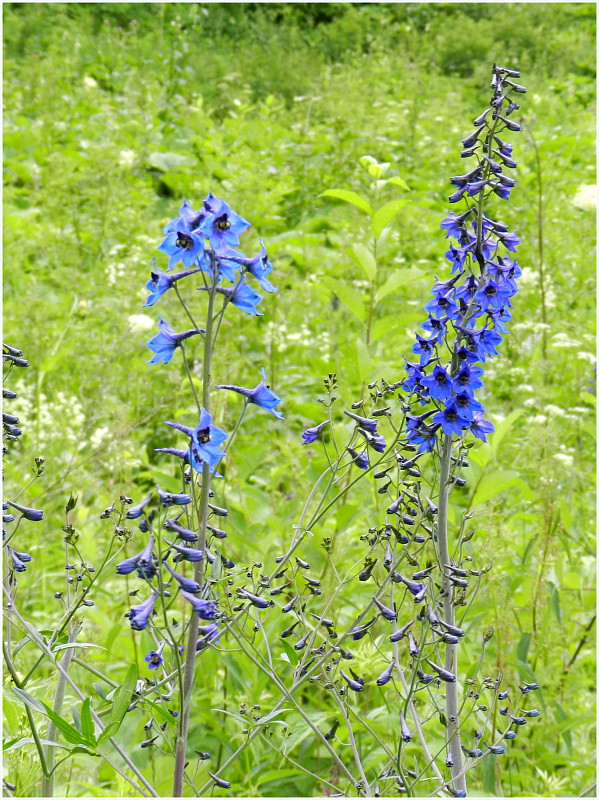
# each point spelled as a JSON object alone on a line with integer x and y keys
{"x": 160, "y": 283}
{"x": 439, "y": 384}
{"x": 221, "y": 225}
{"x": 242, "y": 296}
{"x": 260, "y": 267}
{"x": 186, "y": 553}
{"x": 141, "y": 560}
{"x": 182, "y": 244}
{"x": 165, "y": 342}
{"x": 209, "y": 633}
{"x": 450, "y": 420}
{"x": 140, "y": 615}
{"x": 188, "y": 217}
{"x": 205, "y": 441}
{"x": 261, "y": 395}
{"x": 154, "y": 658}
{"x": 312, "y": 434}
{"x": 480, "y": 427}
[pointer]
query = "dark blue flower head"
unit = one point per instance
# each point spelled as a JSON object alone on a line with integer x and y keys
{"x": 188, "y": 584}
{"x": 360, "y": 459}
{"x": 142, "y": 560}
{"x": 242, "y": 296}
{"x": 182, "y": 244}
{"x": 136, "y": 511}
{"x": 261, "y": 395}
{"x": 221, "y": 225}
{"x": 160, "y": 283}
{"x": 173, "y": 498}
{"x": 204, "y": 442}
{"x": 154, "y": 658}
{"x": 166, "y": 340}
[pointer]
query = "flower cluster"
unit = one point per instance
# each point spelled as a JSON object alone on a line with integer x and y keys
{"x": 13, "y": 357}
{"x": 473, "y": 305}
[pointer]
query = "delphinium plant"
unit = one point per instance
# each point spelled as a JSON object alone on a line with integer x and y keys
{"x": 387, "y": 628}
{"x": 412, "y": 436}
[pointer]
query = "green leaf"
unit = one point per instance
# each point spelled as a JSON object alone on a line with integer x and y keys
{"x": 349, "y": 296}
{"x": 397, "y": 181}
{"x": 384, "y": 215}
{"x": 29, "y": 700}
{"x": 70, "y": 733}
{"x": 273, "y": 714}
{"x": 76, "y": 644}
{"x": 166, "y": 162}
{"x": 291, "y": 653}
{"x": 554, "y": 597}
{"x": 87, "y": 723}
{"x": 160, "y": 711}
{"x": 395, "y": 280}
{"x": 489, "y": 775}
{"x": 363, "y": 360}
{"x": 108, "y": 731}
{"x": 349, "y": 197}
{"x": 494, "y": 483}
{"x": 13, "y": 744}
{"x": 364, "y": 259}
{"x": 524, "y": 647}
{"x": 122, "y": 697}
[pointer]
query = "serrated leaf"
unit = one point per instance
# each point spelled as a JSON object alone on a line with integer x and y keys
{"x": 364, "y": 259}
{"x": 398, "y": 278}
{"x": 384, "y": 215}
{"x": 349, "y": 197}
{"x": 29, "y": 700}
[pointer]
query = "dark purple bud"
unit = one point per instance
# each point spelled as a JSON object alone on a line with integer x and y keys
{"x": 187, "y": 553}
{"x": 280, "y": 589}
{"x": 220, "y": 512}
{"x": 413, "y": 645}
{"x": 255, "y": 600}
{"x": 398, "y": 635}
{"x": 287, "y": 608}
{"x": 6, "y": 518}
{"x": 171, "y": 498}
{"x": 331, "y": 734}
{"x": 512, "y": 73}
{"x": 346, "y": 654}
{"x": 367, "y": 571}
{"x": 510, "y": 735}
{"x": 496, "y": 749}
{"x": 385, "y": 676}
{"x": 8, "y": 394}
{"x": 472, "y": 753}
{"x": 424, "y": 677}
{"x": 327, "y": 623}
{"x": 187, "y": 584}
{"x": 405, "y": 731}
{"x": 288, "y": 631}
{"x": 423, "y": 573}
{"x": 518, "y": 720}
{"x": 444, "y": 674}
{"x": 354, "y": 685}
{"x": 364, "y": 422}
{"x": 10, "y": 418}
{"x": 503, "y": 695}
{"x": 13, "y": 351}
{"x": 139, "y": 616}
{"x": 185, "y": 534}
{"x": 18, "y": 564}
{"x": 531, "y": 686}
{"x": 509, "y": 123}
{"x": 221, "y": 782}
{"x": 301, "y": 563}
{"x": 517, "y": 87}
{"x": 461, "y": 582}
{"x": 136, "y": 511}
{"x": 32, "y": 514}
{"x": 301, "y": 643}
{"x": 217, "y": 532}
{"x": 205, "y": 609}
{"x": 360, "y": 631}
{"x": 463, "y": 573}
{"x": 481, "y": 118}
{"x": 533, "y": 712}
{"x": 148, "y": 742}
{"x": 469, "y": 141}
{"x": 386, "y": 612}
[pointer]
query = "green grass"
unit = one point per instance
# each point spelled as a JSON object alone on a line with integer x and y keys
{"x": 108, "y": 124}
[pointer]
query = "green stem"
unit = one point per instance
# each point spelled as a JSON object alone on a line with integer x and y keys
{"x": 451, "y": 662}
{"x": 188, "y": 678}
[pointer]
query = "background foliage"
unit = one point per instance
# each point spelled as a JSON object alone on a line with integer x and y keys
{"x": 113, "y": 113}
